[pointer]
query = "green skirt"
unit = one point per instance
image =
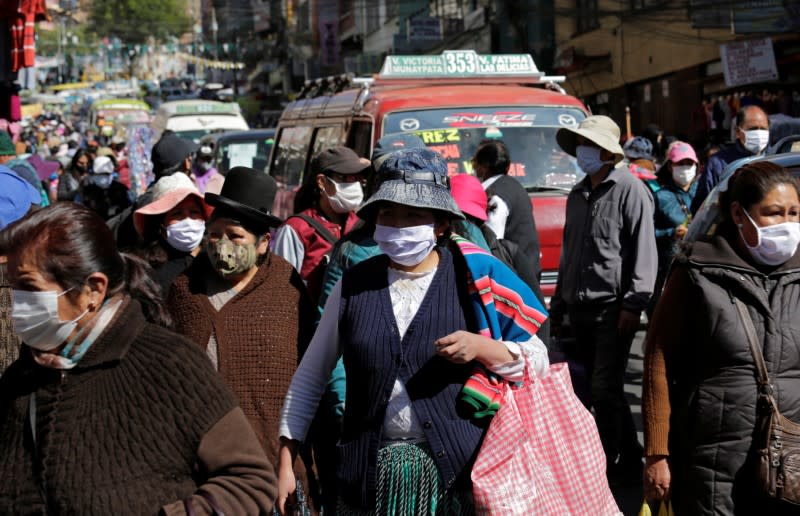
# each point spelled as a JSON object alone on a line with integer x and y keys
{"x": 409, "y": 484}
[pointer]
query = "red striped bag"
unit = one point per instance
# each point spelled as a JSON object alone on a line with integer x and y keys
{"x": 542, "y": 454}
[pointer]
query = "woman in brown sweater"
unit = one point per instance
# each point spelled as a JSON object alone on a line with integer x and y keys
{"x": 246, "y": 307}
{"x": 699, "y": 390}
{"x": 106, "y": 412}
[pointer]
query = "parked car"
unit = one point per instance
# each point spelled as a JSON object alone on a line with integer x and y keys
{"x": 453, "y": 102}
{"x": 706, "y": 220}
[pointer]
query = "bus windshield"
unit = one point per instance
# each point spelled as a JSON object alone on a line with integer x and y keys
{"x": 529, "y": 133}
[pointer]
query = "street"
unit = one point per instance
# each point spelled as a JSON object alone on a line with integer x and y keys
{"x": 629, "y": 498}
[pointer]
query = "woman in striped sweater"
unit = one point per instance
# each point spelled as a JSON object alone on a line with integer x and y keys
{"x": 427, "y": 334}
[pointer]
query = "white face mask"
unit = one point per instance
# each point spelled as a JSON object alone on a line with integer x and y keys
{"x": 756, "y": 140}
{"x": 185, "y": 235}
{"x": 683, "y": 174}
{"x": 776, "y": 244}
{"x": 348, "y": 196}
{"x": 589, "y": 159}
{"x": 405, "y": 246}
{"x": 205, "y": 166}
{"x": 36, "y": 322}
{"x": 102, "y": 180}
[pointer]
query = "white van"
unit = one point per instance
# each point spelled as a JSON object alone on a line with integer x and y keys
{"x": 193, "y": 119}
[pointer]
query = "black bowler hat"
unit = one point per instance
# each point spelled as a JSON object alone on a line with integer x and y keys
{"x": 249, "y": 194}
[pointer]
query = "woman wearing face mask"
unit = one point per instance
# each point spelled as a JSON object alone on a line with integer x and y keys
{"x": 106, "y": 411}
{"x": 672, "y": 210}
{"x": 325, "y": 211}
{"x": 699, "y": 387}
{"x": 407, "y": 330}
{"x": 69, "y": 183}
{"x": 246, "y": 307}
{"x": 172, "y": 226}
{"x": 204, "y": 174}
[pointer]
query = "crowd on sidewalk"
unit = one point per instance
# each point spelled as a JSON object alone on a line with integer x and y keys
{"x": 176, "y": 348}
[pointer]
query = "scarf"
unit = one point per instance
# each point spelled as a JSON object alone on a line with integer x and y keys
{"x": 505, "y": 309}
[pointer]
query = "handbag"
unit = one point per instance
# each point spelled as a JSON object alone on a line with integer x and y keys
{"x": 777, "y": 439}
{"x": 542, "y": 454}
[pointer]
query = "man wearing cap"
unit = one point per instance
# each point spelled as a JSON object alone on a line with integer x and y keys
{"x": 605, "y": 280}
{"x": 17, "y": 198}
{"x": 204, "y": 174}
{"x": 325, "y": 211}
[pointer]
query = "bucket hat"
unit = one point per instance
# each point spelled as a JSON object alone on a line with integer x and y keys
{"x": 469, "y": 195}
{"x": 638, "y": 147}
{"x": 680, "y": 151}
{"x": 249, "y": 194}
{"x": 598, "y": 129}
{"x": 413, "y": 177}
{"x": 168, "y": 192}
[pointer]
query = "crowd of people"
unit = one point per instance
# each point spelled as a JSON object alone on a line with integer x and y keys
{"x": 185, "y": 351}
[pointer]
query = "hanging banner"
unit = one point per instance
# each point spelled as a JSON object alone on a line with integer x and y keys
{"x": 329, "y": 32}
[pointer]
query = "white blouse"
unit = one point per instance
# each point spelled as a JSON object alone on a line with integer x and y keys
{"x": 407, "y": 290}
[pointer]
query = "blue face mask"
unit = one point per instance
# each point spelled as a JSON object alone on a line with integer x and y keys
{"x": 102, "y": 180}
{"x": 589, "y": 159}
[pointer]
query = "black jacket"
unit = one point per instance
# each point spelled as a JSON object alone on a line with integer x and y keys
{"x": 712, "y": 373}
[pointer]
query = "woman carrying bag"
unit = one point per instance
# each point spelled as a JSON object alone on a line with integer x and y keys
{"x": 422, "y": 381}
{"x": 701, "y": 396}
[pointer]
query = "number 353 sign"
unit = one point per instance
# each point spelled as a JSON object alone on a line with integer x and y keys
{"x": 460, "y": 63}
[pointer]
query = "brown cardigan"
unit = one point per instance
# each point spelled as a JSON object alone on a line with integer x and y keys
{"x": 261, "y": 334}
{"x": 141, "y": 423}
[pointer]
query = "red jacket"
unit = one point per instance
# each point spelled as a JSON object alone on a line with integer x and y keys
{"x": 317, "y": 248}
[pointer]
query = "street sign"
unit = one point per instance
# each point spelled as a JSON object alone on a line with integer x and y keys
{"x": 746, "y": 62}
{"x": 460, "y": 64}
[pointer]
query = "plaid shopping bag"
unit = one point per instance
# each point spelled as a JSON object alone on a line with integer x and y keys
{"x": 542, "y": 454}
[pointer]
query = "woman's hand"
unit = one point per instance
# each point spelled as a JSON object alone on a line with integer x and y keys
{"x": 657, "y": 478}
{"x": 287, "y": 483}
{"x": 680, "y": 232}
{"x": 462, "y": 347}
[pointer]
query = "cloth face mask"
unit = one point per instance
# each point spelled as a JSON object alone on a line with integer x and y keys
{"x": 405, "y": 246}
{"x": 102, "y": 180}
{"x": 348, "y": 196}
{"x": 231, "y": 259}
{"x": 36, "y": 321}
{"x": 683, "y": 175}
{"x": 776, "y": 244}
{"x": 186, "y": 234}
{"x": 589, "y": 159}
{"x": 756, "y": 140}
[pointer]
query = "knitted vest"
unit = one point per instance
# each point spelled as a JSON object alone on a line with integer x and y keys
{"x": 118, "y": 434}
{"x": 520, "y": 226}
{"x": 374, "y": 356}
{"x": 260, "y": 333}
{"x": 9, "y": 343}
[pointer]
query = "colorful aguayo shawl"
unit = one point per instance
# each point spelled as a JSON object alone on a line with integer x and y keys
{"x": 505, "y": 309}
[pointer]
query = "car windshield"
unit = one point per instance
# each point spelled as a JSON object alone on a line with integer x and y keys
{"x": 193, "y": 135}
{"x": 529, "y": 133}
{"x": 244, "y": 153}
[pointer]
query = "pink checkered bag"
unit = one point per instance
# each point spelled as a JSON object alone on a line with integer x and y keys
{"x": 542, "y": 454}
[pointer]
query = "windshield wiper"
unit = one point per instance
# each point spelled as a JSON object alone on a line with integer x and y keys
{"x": 536, "y": 188}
